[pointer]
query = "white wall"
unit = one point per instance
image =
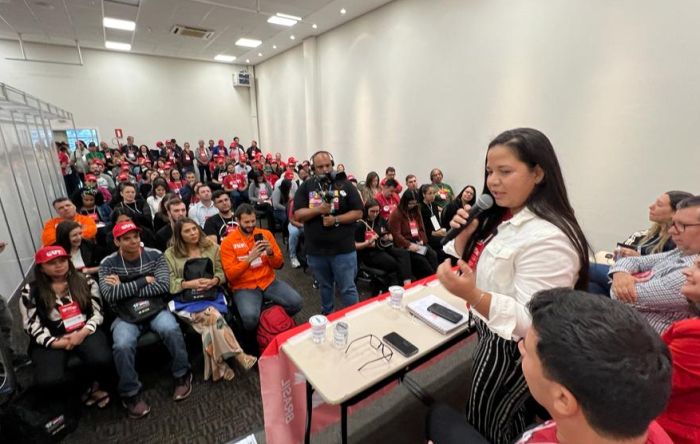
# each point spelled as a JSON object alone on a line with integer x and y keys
{"x": 150, "y": 98}
{"x": 419, "y": 84}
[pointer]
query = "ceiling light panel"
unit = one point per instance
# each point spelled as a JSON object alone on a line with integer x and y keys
{"x": 275, "y": 20}
{"x": 248, "y": 43}
{"x": 113, "y": 23}
{"x": 225, "y": 58}
{"x": 118, "y": 46}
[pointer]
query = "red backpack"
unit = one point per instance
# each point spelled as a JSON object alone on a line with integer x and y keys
{"x": 273, "y": 321}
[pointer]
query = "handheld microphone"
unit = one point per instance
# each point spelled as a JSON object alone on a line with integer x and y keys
{"x": 483, "y": 203}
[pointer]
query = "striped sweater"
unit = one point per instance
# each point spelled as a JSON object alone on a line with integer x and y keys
{"x": 133, "y": 277}
{"x": 45, "y": 328}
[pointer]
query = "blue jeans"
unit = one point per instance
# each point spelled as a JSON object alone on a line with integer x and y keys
{"x": 294, "y": 234}
{"x": 249, "y": 301}
{"x": 238, "y": 198}
{"x": 126, "y": 335}
{"x": 598, "y": 280}
{"x": 340, "y": 270}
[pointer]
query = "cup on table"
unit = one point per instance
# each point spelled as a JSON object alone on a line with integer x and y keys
{"x": 395, "y": 296}
{"x": 318, "y": 328}
{"x": 340, "y": 335}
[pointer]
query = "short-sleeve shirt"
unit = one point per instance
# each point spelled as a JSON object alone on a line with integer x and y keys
{"x": 219, "y": 226}
{"x": 328, "y": 241}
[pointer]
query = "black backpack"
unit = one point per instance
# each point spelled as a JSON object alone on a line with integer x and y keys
{"x": 36, "y": 416}
{"x": 196, "y": 268}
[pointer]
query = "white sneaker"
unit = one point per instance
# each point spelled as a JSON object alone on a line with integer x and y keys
{"x": 295, "y": 262}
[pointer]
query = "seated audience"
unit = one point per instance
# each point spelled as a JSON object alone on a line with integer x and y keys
{"x": 187, "y": 193}
{"x": 250, "y": 266}
{"x": 175, "y": 210}
{"x": 375, "y": 248}
{"x": 296, "y": 229}
{"x": 90, "y": 184}
{"x": 218, "y": 227}
{"x": 656, "y": 239}
{"x": 282, "y": 195}
{"x": 84, "y": 254}
{"x": 652, "y": 283}
{"x": 260, "y": 196}
{"x": 465, "y": 197}
{"x": 430, "y": 214}
{"x": 408, "y": 232}
{"x": 92, "y": 205}
{"x": 61, "y": 312}
{"x": 236, "y": 185}
{"x": 135, "y": 282}
{"x": 681, "y": 419}
{"x": 148, "y": 238}
{"x": 158, "y": 191}
{"x": 66, "y": 211}
{"x": 205, "y": 208}
{"x": 444, "y": 191}
{"x": 387, "y": 198}
{"x": 199, "y": 300}
{"x": 596, "y": 366}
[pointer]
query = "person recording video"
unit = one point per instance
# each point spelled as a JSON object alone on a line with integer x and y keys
{"x": 329, "y": 207}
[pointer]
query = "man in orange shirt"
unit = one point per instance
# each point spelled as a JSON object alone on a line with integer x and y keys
{"x": 250, "y": 256}
{"x": 66, "y": 211}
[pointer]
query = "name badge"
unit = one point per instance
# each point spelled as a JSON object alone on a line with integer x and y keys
{"x": 436, "y": 224}
{"x": 369, "y": 235}
{"x": 73, "y": 318}
{"x": 314, "y": 200}
{"x": 414, "y": 228}
{"x": 257, "y": 262}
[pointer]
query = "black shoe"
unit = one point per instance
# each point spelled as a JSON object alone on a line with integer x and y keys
{"x": 315, "y": 284}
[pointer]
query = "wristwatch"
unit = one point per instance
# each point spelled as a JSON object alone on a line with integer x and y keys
{"x": 337, "y": 222}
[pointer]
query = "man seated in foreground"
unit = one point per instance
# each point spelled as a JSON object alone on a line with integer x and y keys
{"x": 652, "y": 284}
{"x": 250, "y": 265}
{"x": 594, "y": 364}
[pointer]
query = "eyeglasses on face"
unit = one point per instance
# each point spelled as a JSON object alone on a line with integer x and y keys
{"x": 680, "y": 226}
{"x": 377, "y": 344}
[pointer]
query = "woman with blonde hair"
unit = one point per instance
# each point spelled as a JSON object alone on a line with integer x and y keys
{"x": 196, "y": 279}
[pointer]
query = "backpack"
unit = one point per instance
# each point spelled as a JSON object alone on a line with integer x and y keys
{"x": 195, "y": 268}
{"x": 39, "y": 417}
{"x": 273, "y": 321}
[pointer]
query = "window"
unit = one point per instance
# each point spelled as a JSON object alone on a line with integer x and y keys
{"x": 87, "y": 135}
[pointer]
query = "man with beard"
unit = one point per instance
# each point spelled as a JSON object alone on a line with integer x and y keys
{"x": 219, "y": 226}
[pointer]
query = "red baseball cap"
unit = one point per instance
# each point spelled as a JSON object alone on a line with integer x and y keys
{"x": 123, "y": 176}
{"x": 221, "y": 141}
{"x": 243, "y": 157}
{"x": 292, "y": 160}
{"x": 351, "y": 178}
{"x": 90, "y": 177}
{"x": 159, "y": 143}
{"x": 122, "y": 228}
{"x": 98, "y": 160}
{"x": 288, "y": 175}
{"x": 49, "y": 253}
{"x": 268, "y": 156}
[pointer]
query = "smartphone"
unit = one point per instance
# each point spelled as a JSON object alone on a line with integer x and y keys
{"x": 629, "y": 247}
{"x": 445, "y": 313}
{"x": 258, "y": 237}
{"x": 400, "y": 344}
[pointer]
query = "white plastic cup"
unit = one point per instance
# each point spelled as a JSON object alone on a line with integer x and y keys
{"x": 340, "y": 335}
{"x": 318, "y": 328}
{"x": 395, "y": 296}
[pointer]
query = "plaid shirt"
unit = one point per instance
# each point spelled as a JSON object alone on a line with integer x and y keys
{"x": 659, "y": 296}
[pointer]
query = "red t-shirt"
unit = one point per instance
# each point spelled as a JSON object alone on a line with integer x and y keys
{"x": 175, "y": 186}
{"x": 64, "y": 161}
{"x": 387, "y": 205}
{"x": 547, "y": 434}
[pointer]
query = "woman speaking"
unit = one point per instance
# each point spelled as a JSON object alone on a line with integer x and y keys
{"x": 528, "y": 241}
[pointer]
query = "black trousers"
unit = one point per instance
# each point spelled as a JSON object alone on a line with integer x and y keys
{"x": 392, "y": 260}
{"x": 50, "y": 364}
{"x": 204, "y": 171}
{"x": 445, "y": 425}
{"x": 424, "y": 265}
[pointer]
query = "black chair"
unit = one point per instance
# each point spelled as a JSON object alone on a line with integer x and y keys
{"x": 378, "y": 280}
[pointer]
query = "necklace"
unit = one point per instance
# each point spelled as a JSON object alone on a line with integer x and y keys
{"x": 140, "y": 263}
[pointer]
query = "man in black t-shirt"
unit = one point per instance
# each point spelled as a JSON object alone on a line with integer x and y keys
{"x": 218, "y": 226}
{"x": 329, "y": 208}
{"x": 176, "y": 210}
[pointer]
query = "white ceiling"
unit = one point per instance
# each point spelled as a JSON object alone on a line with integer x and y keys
{"x": 65, "y": 21}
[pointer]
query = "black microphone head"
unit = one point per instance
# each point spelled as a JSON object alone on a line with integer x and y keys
{"x": 484, "y": 202}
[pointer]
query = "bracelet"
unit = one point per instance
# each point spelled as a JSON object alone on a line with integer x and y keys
{"x": 481, "y": 297}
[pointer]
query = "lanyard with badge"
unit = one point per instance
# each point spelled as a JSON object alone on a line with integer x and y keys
{"x": 433, "y": 219}
{"x": 413, "y": 225}
{"x": 227, "y": 227}
{"x": 71, "y": 315}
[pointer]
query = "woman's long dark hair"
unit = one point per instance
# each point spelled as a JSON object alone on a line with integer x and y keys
{"x": 370, "y": 178}
{"x": 77, "y": 284}
{"x": 371, "y": 202}
{"x": 406, "y": 198}
{"x": 458, "y": 198}
{"x": 549, "y": 200}
{"x": 159, "y": 182}
{"x": 63, "y": 234}
{"x": 285, "y": 188}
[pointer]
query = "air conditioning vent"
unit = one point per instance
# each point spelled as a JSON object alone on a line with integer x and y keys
{"x": 189, "y": 31}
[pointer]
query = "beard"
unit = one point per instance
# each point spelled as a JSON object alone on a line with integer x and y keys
{"x": 247, "y": 230}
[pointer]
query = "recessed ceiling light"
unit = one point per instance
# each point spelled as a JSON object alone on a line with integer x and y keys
{"x": 274, "y": 46}
{"x": 260, "y": 54}
{"x": 225, "y": 58}
{"x": 248, "y": 43}
{"x": 118, "y": 46}
{"x": 247, "y": 60}
{"x": 125, "y": 25}
{"x": 282, "y": 21}
{"x": 291, "y": 37}
{"x": 291, "y": 17}
{"x": 315, "y": 26}
{"x": 343, "y": 11}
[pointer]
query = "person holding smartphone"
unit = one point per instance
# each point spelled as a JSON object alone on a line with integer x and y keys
{"x": 250, "y": 256}
{"x": 528, "y": 241}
